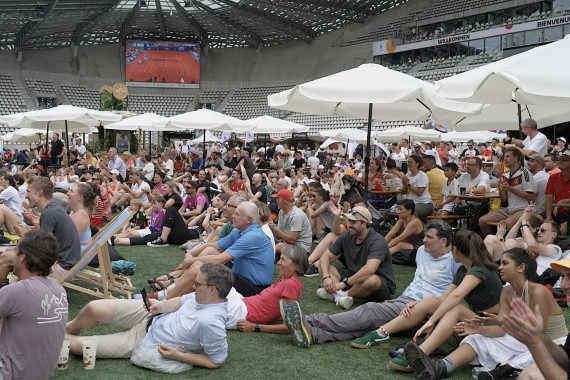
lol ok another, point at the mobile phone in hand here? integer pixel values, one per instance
(145, 299)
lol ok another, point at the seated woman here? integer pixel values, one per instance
(211, 219)
(11, 207)
(408, 232)
(320, 214)
(82, 199)
(256, 313)
(65, 178)
(476, 281)
(486, 342)
(158, 181)
(375, 174)
(416, 184)
(156, 213)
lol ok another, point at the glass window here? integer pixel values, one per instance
(553, 34)
(476, 47)
(533, 36)
(492, 44)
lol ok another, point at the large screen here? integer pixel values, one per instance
(162, 64)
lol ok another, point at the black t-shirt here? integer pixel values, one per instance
(206, 184)
(298, 163)
(56, 147)
(233, 163)
(177, 200)
(261, 188)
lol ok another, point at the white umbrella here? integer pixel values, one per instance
(352, 134)
(476, 136)
(209, 137)
(206, 119)
(407, 132)
(519, 76)
(144, 122)
(505, 117)
(270, 124)
(23, 135)
(374, 92)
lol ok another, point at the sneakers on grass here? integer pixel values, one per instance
(344, 302)
(157, 243)
(295, 322)
(422, 364)
(400, 363)
(312, 271)
(322, 294)
(371, 339)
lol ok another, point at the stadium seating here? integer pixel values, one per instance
(41, 87)
(10, 98)
(81, 96)
(248, 102)
(163, 104)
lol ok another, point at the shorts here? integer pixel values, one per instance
(504, 213)
(379, 295)
(131, 316)
(147, 231)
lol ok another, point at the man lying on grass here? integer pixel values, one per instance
(173, 336)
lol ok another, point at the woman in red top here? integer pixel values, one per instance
(374, 173)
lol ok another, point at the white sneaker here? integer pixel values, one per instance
(322, 294)
(345, 302)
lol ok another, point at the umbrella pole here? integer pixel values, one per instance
(520, 121)
(204, 151)
(46, 150)
(67, 141)
(367, 151)
(346, 150)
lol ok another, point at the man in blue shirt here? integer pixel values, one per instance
(172, 336)
(248, 246)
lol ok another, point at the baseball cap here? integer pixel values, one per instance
(537, 157)
(561, 264)
(561, 139)
(139, 173)
(566, 153)
(321, 167)
(359, 213)
(337, 165)
(115, 171)
(284, 194)
(306, 181)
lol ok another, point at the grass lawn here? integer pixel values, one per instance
(255, 355)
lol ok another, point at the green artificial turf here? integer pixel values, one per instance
(254, 355)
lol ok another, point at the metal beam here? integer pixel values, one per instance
(27, 31)
(128, 22)
(80, 30)
(341, 10)
(160, 17)
(195, 25)
(303, 32)
(253, 39)
(299, 8)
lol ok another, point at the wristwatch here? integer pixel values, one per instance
(257, 327)
(346, 284)
(525, 225)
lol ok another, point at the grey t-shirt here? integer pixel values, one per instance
(297, 220)
(355, 256)
(34, 315)
(55, 220)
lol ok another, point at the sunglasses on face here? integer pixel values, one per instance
(540, 229)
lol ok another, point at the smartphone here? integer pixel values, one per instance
(145, 299)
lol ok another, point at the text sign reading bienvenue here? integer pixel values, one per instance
(386, 47)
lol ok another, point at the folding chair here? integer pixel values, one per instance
(106, 283)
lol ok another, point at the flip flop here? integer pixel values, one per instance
(168, 278)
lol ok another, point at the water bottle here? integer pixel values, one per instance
(477, 370)
(395, 353)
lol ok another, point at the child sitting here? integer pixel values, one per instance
(446, 205)
(156, 214)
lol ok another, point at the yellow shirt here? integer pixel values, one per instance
(436, 181)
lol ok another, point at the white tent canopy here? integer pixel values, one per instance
(205, 119)
(269, 124)
(345, 135)
(144, 122)
(518, 76)
(80, 120)
(407, 132)
(476, 136)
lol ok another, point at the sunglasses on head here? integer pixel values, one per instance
(355, 212)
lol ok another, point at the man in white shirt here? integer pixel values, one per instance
(313, 162)
(166, 164)
(535, 142)
(184, 148)
(536, 164)
(79, 148)
(139, 190)
(397, 155)
(474, 180)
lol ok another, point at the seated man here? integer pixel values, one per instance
(39, 330)
(190, 329)
(194, 203)
(435, 271)
(516, 187)
(368, 269)
(474, 180)
(53, 219)
(247, 246)
(139, 190)
(294, 226)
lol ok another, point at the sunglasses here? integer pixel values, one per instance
(540, 229)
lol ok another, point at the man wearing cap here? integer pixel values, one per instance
(435, 175)
(368, 269)
(139, 190)
(485, 154)
(540, 177)
(527, 326)
(558, 192)
(535, 141)
(294, 225)
(560, 146)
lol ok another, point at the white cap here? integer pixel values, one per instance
(321, 167)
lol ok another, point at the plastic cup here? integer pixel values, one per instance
(89, 354)
(63, 360)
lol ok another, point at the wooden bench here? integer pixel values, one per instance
(493, 223)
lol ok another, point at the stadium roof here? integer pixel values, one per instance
(37, 24)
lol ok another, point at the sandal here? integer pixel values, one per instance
(168, 278)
